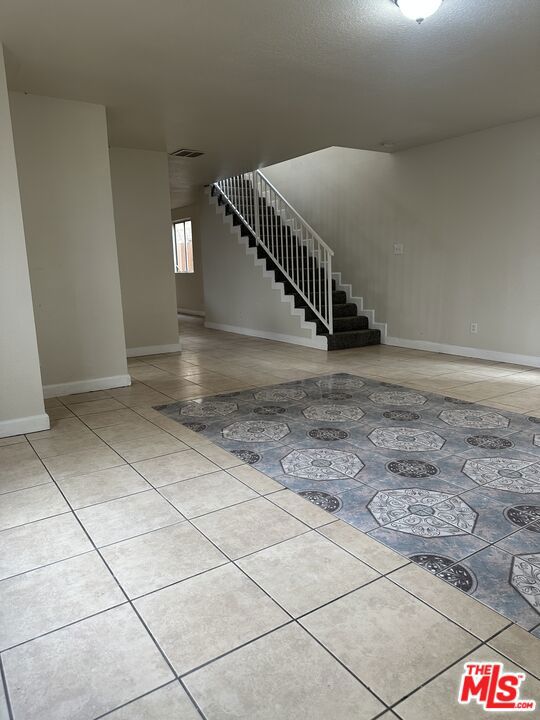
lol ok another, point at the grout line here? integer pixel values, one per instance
(182, 676)
(6, 690)
(441, 672)
(63, 627)
(139, 697)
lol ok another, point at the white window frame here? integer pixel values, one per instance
(177, 270)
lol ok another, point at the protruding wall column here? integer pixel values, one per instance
(21, 393)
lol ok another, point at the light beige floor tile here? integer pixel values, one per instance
(94, 406)
(285, 675)
(36, 503)
(123, 432)
(49, 678)
(255, 479)
(64, 427)
(126, 517)
(211, 614)
(12, 440)
(472, 615)
(39, 543)
(150, 446)
(131, 396)
(438, 699)
(521, 647)
(82, 462)
(207, 493)
(155, 559)
(58, 413)
(53, 596)
(172, 468)
(108, 418)
(373, 553)
(306, 572)
(102, 485)
(251, 526)
(20, 468)
(66, 444)
(52, 403)
(168, 703)
(301, 508)
(85, 397)
(217, 455)
(374, 631)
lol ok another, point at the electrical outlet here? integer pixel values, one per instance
(474, 328)
(398, 248)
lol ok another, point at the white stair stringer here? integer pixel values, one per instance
(359, 302)
(314, 341)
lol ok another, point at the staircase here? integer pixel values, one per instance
(299, 258)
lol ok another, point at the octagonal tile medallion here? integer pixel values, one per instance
(406, 438)
(474, 418)
(333, 412)
(397, 397)
(279, 394)
(426, 513)
(502, 473)
(346, 382)
(256, 431)
(322, 464)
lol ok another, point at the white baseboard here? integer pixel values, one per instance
(187, 311)
(494, 355)
(317, 342)
(153, 350)
(81, 386)
(20, 426)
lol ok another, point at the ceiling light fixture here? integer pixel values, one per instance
(418, 10)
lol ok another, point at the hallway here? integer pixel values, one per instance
(149, 573)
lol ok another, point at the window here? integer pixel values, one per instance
(183, 246)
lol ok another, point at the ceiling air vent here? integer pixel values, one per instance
(183, 152)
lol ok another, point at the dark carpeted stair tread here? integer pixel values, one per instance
(353, 338)
(344, 310)
(356, 322)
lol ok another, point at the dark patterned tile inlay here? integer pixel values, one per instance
(450, 484)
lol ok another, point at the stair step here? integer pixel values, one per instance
(344, 310)
(353, 322)
(353, 338)
(341, 325)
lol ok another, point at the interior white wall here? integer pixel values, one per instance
(63, 163)
(189, 286)
(467, 213)
(21, 397)
(238, 296)
(140, 183)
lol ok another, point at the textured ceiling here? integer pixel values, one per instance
(251, 82)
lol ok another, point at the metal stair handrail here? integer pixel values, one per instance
(294, 246)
